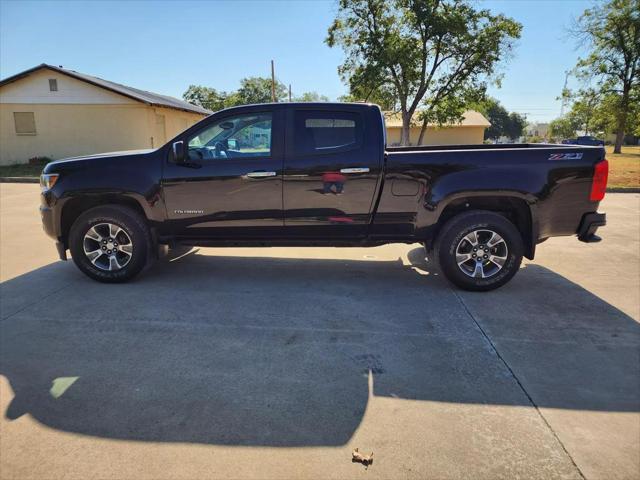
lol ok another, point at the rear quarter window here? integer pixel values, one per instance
(318, 132)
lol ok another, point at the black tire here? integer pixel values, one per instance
(133, 224)
(456, 229)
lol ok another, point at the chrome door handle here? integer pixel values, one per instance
(261, 174)
(355, 170)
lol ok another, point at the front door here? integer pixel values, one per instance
(231, 184)
(331, 173)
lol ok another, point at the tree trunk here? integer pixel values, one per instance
(422, 130)
(622, 118)
(405, 138)
(619, 140)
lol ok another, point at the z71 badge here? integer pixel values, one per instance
(565, 156)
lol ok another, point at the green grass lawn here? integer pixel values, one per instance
(20, 170)
(624, 168)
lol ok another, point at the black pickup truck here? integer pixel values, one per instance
(310, 174)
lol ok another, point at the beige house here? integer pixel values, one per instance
(537, 130)
(54, 112)
(468, 132)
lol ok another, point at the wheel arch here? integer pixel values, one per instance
(519, 210)
(75, 206)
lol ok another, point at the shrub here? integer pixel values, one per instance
(39, 160)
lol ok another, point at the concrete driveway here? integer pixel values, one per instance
(276, 363)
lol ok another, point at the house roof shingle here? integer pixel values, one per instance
(150, 98)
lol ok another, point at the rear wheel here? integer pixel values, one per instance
(110, 243)
(479, 250)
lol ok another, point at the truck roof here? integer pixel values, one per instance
(310, 105)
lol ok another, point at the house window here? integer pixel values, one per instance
(53, 85)
(25, 123)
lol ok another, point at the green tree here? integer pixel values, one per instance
(252, 90)
(611, 31)
(449, 108)
(205, 97)
(257, 90)
(503, 123)
(605, 116)
(592, 111)
(432, 54)
(383, 95)
(311, 97)
(563, 127)
(517, 124)
(587, 111)
(635, 117)
(498, 116)
(596, 113)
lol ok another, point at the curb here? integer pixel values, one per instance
(623, 190)
(19, 180)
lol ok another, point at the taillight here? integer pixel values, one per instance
(599, 184)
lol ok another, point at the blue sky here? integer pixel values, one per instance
(165, 46)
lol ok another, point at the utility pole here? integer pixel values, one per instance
(289, 93)
(564, 99)
(273, 83)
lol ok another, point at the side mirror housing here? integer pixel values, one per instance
(178, 152)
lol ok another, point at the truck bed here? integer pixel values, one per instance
(497, 146)
(552, 182)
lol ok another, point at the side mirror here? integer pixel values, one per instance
(178, 152)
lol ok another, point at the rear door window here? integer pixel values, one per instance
(326, 132)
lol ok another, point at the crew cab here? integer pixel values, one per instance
(310, 174)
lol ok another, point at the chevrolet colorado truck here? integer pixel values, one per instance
(310, 174)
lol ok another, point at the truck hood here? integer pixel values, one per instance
(122, 153)
(96, 159)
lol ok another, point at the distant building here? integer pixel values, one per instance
(537, 130)
(55, 112)
(469, 131)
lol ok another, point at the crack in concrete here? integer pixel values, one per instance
(513, 374)
(34, 303)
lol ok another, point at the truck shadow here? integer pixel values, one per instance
(278, 351)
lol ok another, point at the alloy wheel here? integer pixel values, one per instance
(108, 247)
(481, 253)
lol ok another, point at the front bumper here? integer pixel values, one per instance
(48, 221)
(588, 226)
(62, 251)
(49, 226)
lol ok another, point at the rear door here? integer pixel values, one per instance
(332, 169)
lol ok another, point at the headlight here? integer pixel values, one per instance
(48, 180)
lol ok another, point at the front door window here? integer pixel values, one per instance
(244, 136)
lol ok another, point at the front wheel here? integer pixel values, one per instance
(479, 250)
(110, 244)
